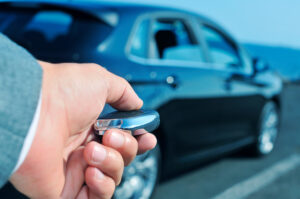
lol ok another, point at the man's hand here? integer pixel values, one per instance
(62, 163)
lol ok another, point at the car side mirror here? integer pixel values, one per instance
(259, 65)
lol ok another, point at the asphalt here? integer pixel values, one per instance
(231, 173)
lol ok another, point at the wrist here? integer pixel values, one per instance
(45, 153)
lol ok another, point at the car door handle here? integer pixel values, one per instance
(172, 81)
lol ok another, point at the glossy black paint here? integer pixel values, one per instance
(205, 110)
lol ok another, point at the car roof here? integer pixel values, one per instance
(91, 6)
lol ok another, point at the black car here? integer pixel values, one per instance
(213, 98)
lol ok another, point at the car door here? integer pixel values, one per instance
(187, 92)
(240, 108)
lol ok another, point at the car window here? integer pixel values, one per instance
(221, 50)
(53, 33)
(174, 41)
(50, 24)
(140, 38)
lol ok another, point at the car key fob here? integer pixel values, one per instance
(128, 120)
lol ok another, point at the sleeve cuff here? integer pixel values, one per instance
(30, 135)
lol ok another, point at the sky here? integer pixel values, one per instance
(271, 22)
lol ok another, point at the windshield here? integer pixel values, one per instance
(53, 33)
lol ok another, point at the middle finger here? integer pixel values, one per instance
(106, 159)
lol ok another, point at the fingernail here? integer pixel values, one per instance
(99, 154)
(116, 139)
(98, 174)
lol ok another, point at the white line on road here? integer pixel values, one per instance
(256, 182)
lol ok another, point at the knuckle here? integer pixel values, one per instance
(97, 68)
(93, 65)
(116, 169)
(125, 82)
(118, 164)
(131, 152)
(103, 188)
(106, 188)
(110, 188)
(131, 144)
(131, 140)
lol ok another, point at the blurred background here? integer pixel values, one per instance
(224, 76)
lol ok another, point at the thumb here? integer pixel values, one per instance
(121, 95)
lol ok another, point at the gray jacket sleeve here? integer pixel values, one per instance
(20, 86)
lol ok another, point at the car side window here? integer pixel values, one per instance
(139, 40)
(221, 50)
(174, 41)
